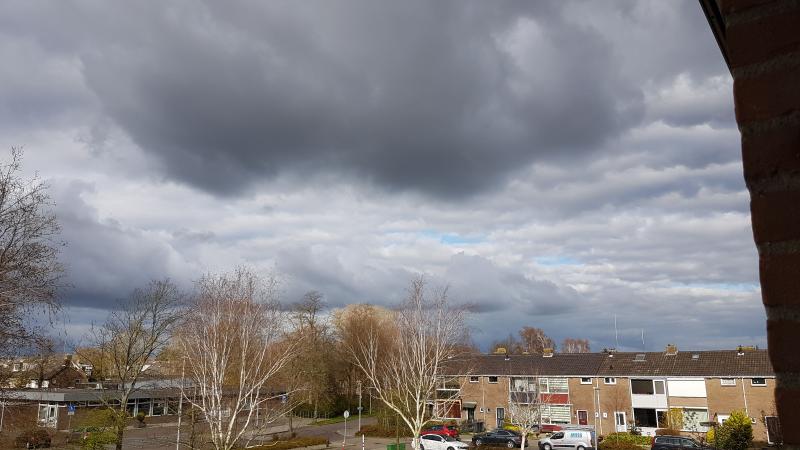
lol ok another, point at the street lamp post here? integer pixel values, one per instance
(358, 390)
(180, 405)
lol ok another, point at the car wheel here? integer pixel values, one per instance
(450, 448)
(510, 444)
(580, 447)
(547, 447)
(421, 447)
(478, 442)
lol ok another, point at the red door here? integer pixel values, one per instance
(583, 418)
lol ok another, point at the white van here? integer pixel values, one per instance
(568, 439)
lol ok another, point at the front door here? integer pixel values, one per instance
(501, 416)
(620, 421)
(583, 417)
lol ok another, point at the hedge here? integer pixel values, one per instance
(628, 438)
(379, 431)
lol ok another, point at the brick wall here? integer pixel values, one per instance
(488, 396)
(760, 401)
(582, 398)
(614, 397)
(763, 47)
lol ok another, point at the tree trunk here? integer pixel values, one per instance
(522, 445)
(120, 432)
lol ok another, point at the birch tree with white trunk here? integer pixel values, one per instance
(232, 342)
(525, 411)
(404, 363)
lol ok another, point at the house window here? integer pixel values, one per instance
(727, 381)
(642, 387)
(693, 418)
(474, 379)
(758, 381)
(645, 417)
(586, 381)
(610, 380)
(492, 379)
(659, 387)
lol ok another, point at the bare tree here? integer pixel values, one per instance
(313, 365)
(42, 359)
(427, 335)
(535, 340)
(126, 343)
(525, 411)
(234, 354)
(29, 269)
(571, 345)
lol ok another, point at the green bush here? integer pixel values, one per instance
(98, 439)
(628, 438)
(735, 434)
(608, 444)
(295, 443)
(33, 438)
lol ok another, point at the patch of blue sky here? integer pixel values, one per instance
(557, 261)
(453, 238)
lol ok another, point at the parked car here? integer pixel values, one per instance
(439, 442)
(568, 439)
(509, 438)
(667, 442)
(442, 430)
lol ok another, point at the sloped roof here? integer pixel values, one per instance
(707, 363)
(565, 364)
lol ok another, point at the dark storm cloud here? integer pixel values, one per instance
(438, 97)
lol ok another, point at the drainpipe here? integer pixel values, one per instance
(744, 396)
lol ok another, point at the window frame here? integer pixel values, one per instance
(588, 380)
(474, 379)
(496, 379)
(727, 382)
(753, 381)
(613, 380)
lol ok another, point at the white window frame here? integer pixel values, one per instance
(753, 383)
(476, 379)
(496, 379)
(610, 380)
(588, 380)
(727, 381)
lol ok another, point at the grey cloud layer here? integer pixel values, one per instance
(410, 95)
(554, 163)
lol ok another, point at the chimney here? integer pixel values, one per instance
(671, 350)
(547, 352)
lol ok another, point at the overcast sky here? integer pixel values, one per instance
(555, 162)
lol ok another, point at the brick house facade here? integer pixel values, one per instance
(613, 390)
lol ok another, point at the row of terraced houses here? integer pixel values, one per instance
(614, 390)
